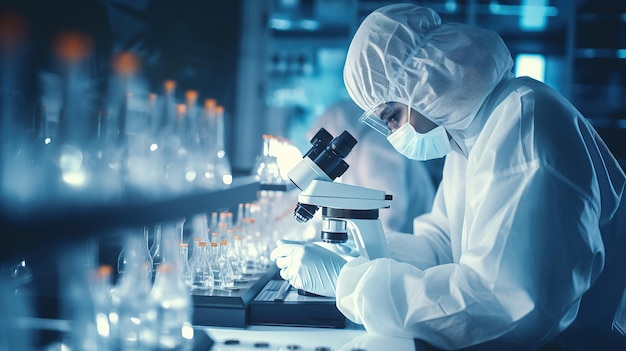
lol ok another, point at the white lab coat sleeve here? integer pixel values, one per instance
(430, 243)
(530, 250)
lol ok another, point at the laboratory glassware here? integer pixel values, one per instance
(214, 165)
(185, 267)
(224, 170)
(201, 269)
(155, 249)
(191, 101)
(124, 255)
(266, 168)
(132, 312)
(235, 257)
(250, 247)
(180, 230)
(101, 286)
(173, 307)
(214, 220)
(214, 261)
(227, 276)
(180, 173)
(76, 122)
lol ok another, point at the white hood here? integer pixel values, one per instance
(403, 53)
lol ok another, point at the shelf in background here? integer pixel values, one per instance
(60, 223)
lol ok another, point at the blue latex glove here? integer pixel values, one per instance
(308, 266)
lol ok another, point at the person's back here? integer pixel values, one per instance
(559, 143)
(374, 164)
(524, 241)
(601, 175)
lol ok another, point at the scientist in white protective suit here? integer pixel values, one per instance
(374, 164)
(525, 245)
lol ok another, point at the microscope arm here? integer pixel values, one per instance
(358, 207)
(343, 196)
(369, 237)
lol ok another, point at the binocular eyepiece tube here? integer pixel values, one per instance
(324, 161)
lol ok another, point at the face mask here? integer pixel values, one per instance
(420, 147)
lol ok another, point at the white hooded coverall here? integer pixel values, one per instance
(524, 239)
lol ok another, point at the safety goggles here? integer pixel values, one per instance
(379, 116)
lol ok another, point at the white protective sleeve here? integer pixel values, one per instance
(430, 245)
(522, 269)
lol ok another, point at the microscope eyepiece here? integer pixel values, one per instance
(330, 160)
(320, 141)
(323, 161)
(343, 144)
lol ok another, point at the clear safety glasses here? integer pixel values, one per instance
(384, 117)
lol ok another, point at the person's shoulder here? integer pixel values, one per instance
(540, 91)
(536, 101)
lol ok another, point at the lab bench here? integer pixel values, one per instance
(259, 337)
(352, 338)
(263, 312)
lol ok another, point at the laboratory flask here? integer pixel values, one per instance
(173, 309)
(185, 267)
(201, 268)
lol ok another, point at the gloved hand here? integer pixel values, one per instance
(308, 266)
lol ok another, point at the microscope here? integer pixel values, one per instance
(345, 208)
(347, 211)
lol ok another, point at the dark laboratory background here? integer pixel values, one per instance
(276, 64)
(273, 66)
